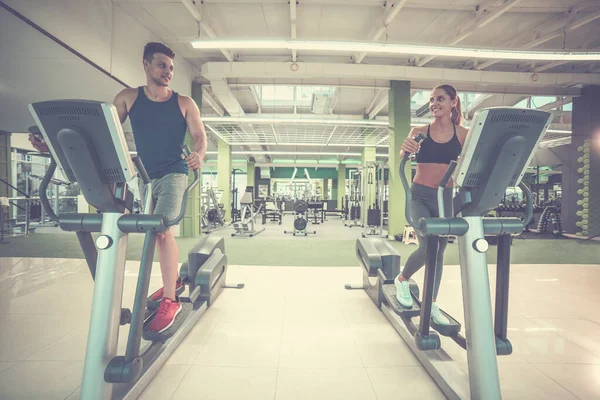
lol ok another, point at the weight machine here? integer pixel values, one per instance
(246, 225)
(353, 202)
(213, 212)
(373, 226)
(235, 212)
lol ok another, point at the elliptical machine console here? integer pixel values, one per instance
(498, 149)
(87, 143)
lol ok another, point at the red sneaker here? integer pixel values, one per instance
(165, 315)
(158, 295)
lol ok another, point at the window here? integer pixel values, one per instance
(289, 95)
(277, 93)
(539, 101)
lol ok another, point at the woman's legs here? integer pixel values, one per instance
(439, 266)
(424, 204)
(419, 209)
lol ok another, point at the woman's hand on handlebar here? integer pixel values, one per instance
(38, 144)
(410, 145)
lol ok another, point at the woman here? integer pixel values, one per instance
(444, 140)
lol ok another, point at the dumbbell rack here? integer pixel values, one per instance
(300, 219)
(583, 202)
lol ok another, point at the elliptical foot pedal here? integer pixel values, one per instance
(389, 292)
(446, 330)
(186, 309)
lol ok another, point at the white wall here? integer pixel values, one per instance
(35, 68)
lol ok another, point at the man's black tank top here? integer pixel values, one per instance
(159, 130)
(439, 153)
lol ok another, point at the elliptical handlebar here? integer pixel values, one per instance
(529, 197)
(44, 186)
(419, 138)
(448, 174)
(143, 174)
(141, 169)
(186, 152)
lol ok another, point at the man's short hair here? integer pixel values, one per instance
(153, 47)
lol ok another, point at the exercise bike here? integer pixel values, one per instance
(86, 141)
(495, 156)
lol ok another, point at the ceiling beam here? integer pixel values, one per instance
(496, 100)
(551, 8)
(373, 100)
(378, 107)
(195, 13)
(206, 95)
(555, 84)
(484, 15)
(223, 93)
(568, 25)
(293, 4)
(551, 65)
(255, 96)
(390, 14)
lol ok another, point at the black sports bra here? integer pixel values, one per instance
(439, 153)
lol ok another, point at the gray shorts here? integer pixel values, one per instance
(167, 194)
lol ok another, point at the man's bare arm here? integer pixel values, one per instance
(120, 103)
(196, 127)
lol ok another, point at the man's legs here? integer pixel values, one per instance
(168, 192)
(168, 255)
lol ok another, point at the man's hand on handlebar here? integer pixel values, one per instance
(193, 161)
(38, 143)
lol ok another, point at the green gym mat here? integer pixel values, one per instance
(308, 251)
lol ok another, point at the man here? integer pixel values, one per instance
(159, 118)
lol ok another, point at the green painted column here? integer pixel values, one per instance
(5, 170)
(191, 225)
(251, 172)
(341, 185)
(224, 176)
(334, 191)
(368, 192)
(325, 189)
(399, 119)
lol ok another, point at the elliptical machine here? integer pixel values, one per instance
(86, 141)
(496, 154)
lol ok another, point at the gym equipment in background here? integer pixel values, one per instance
(213, 212)
(354, 200)
(246, 226)
(300, 219)
(373, 226)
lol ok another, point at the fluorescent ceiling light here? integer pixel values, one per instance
(252, 120)
(300, 153)
(401, 49)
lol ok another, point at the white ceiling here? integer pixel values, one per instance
(361, 81)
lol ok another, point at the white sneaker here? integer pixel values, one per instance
(403, 293)
(437, 316)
